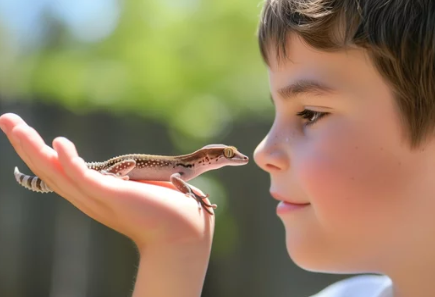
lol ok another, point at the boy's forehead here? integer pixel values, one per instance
(305, 62)
(299, 53)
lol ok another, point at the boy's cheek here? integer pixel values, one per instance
(362, 202)
(351, 187)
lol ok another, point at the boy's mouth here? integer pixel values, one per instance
(287, 206)
(286, 200)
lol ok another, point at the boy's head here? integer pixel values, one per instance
(398, 37)
(353, 84)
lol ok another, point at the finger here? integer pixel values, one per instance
(68, 160)
(46, 165)
(22, 134)
(90, 182)
(17, 130)
(95, 192)
(8, 122)
(41, 159)
(18, 133)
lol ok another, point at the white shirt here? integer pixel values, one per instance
(359, 286)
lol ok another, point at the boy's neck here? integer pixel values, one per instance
(414, 279)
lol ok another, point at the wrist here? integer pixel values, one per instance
(172, 270)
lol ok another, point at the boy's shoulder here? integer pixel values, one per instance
(359, 286)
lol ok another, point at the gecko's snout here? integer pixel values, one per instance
(243, 160)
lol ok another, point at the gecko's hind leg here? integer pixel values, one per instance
(185, 188)
(120, 169)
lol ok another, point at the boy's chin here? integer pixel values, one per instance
(319, 260)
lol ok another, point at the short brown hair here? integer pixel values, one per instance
(399, 36)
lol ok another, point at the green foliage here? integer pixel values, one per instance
(192, 64)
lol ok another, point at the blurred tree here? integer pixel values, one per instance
(191, 64)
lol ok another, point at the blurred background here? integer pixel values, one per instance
(135, 76)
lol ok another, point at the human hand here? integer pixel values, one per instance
(150, 214)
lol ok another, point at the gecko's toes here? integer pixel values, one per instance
(201, 203)
(205, 204)
(206, 209)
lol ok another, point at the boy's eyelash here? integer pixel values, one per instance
(311, 116)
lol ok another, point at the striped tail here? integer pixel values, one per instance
(32, 183)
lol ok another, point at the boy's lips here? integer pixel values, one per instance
(287, 206)
(287, 200)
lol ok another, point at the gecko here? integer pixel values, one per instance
(176, 169)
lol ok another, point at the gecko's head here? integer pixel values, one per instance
(219, 155)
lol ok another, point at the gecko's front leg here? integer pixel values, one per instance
(185, 188)
(120, 169)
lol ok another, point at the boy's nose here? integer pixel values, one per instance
(270, 156)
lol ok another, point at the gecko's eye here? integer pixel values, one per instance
(229, 152)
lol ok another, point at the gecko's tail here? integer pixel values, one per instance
(32, 183)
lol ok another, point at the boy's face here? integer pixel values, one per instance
(370, 198)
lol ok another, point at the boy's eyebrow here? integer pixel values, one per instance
(304, 86)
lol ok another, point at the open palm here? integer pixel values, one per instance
(147, 213)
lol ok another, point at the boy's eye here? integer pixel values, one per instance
(311, 116)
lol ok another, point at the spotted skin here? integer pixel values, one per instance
(176, 169)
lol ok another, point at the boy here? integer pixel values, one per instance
(350, 155)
